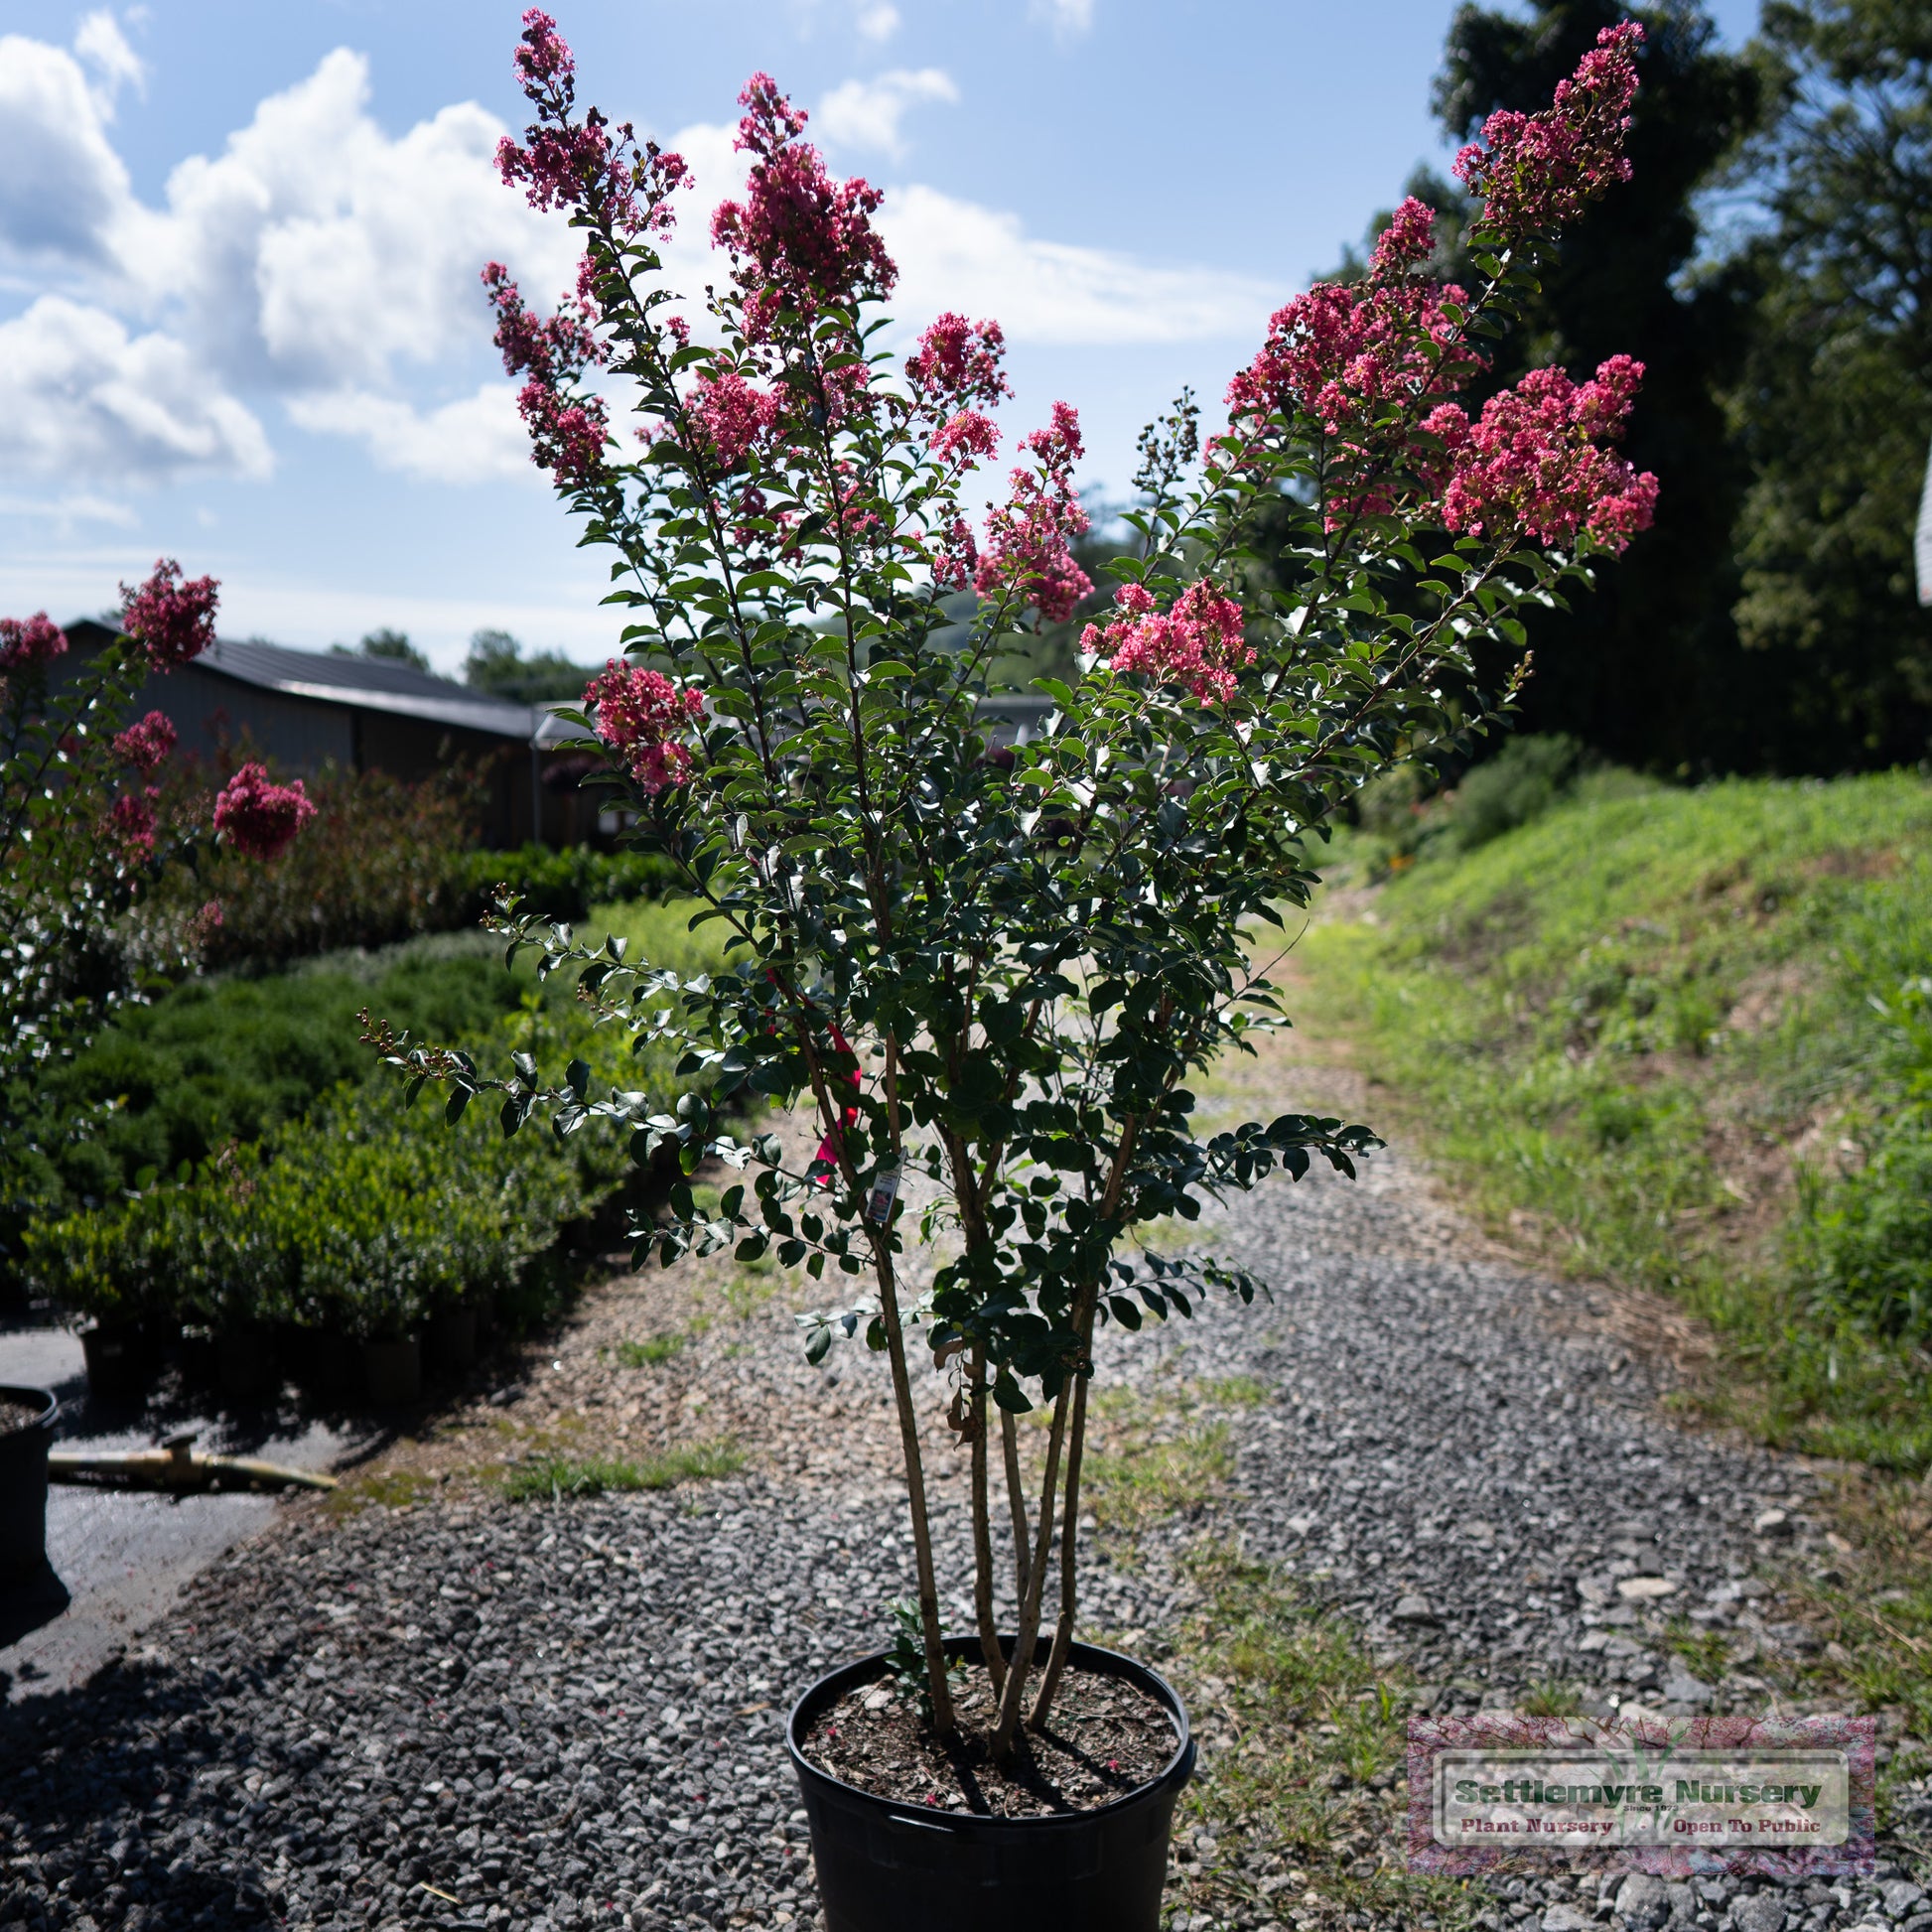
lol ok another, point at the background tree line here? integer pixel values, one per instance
(1770, 261)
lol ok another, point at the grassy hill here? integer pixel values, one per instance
(1681, 1038)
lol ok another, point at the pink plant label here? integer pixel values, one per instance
(1642, 1793)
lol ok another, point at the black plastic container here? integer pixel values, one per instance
(23, 1485)
(121, 1362)
(885, 1866)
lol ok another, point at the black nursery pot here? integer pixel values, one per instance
(23, 1485)
(885, 1866)
(121, 1362)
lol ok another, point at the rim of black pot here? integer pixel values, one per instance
(28, 1397)
(1091, 1656)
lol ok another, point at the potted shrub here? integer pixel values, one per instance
(27, 1419)
(990, 974)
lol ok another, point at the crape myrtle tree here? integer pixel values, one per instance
(997, 970)
(86, 834)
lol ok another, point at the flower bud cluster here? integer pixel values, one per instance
(1028, 537)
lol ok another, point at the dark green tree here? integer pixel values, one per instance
(496, 664)
(1650, 671)
(1834, 408)
(386, 647)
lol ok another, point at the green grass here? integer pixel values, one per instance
(551, 1479)
(653, 1351)
(1641, 1033)
(1301, 1794)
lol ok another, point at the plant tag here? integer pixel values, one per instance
(884, 1191)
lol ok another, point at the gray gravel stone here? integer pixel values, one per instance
(552, 1715)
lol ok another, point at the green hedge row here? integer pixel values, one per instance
(362, 1218)
(326, 1203)
(565, 885)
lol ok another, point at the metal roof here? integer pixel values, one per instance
(369, 683)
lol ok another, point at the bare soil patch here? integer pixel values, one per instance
(1104, 1738)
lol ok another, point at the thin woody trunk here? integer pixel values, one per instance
(908, 1438)
(995, 1667)
(1007, 1725)
(1050, 1682)
(1017, 1497)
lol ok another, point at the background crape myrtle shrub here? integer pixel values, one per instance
(1002, 973)
(83, 847)
(385, 860)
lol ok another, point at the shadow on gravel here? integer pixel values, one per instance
(89, 1781)
(26, 1606)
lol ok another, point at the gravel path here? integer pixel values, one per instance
(449, 1709)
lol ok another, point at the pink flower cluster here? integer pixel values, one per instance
(27, 641)
(733, 414)
(957, 362)
(641, 715)
(965, 439)
(799, 240)
(1342, 353)
(1538, 170)
(146, 744)
(568, 429)
(170, 620)
(1027, 536)
(573, 164)
(1200, 644)
(258, 818)
(130, 823)
(1533, 462)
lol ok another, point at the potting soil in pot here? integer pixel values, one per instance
(16, 1414)
(1103, 1739)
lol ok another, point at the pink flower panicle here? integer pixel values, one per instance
(641, 715)
(625, 189)
(258, 818)
(799, 240)
(568, 426)
(27, 641)
(1342, 354)
(170, 620)
(957, 364)
(1539, 171)
(1534, 462)
(965, 439)
(732, 414)
(1200, 644)
(1408, 241)
(1027, 538)
(130, 824)
(146, 744)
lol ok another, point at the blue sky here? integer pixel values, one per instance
(239, 315)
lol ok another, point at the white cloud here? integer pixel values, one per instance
(82, 401)
(1066, 17)
(955, 254)
(101, 44)
(878, 22)
(316, 252)
(475, 439)
(867, 114)
(65, 512)
(64, 193)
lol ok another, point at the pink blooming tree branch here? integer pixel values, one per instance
(83, 841)
(999, 966)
